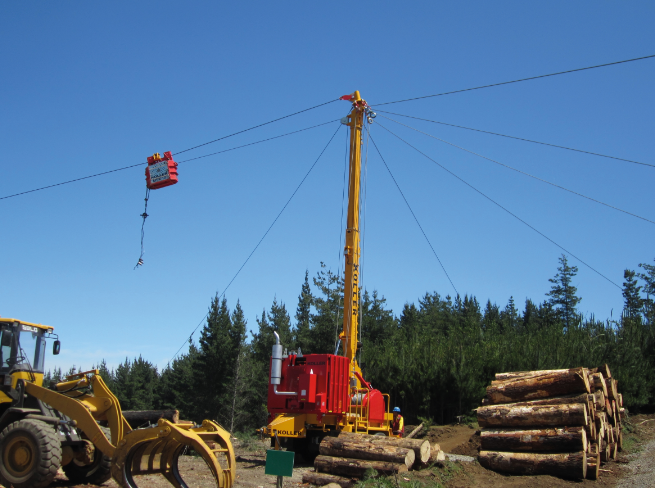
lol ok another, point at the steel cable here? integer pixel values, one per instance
(499, 205)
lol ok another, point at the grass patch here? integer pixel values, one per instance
(631, 444)
(249, 441)
(436, 478)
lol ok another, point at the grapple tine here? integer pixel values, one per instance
(162, 447)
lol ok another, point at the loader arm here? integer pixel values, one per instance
(82, 411)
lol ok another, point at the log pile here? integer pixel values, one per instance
(348, 456)
(564, 422)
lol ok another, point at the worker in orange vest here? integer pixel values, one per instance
(398, 424)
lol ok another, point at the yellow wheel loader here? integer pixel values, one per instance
(78, 425)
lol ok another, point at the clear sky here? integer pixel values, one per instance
(93, 86)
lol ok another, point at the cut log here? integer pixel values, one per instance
(534, 388)
(622, 413)
(357, 447)
(355, 467)
(526, 374)
(414, 432)
(605, 369)
(613, 449)
(572, 465)
(620, 400)
(619, 443)
(593, 465)
(322, 479)
(528, 416)
(436, 454)
(605, 453)
(599, 382)
(536, 440)
(558, 400)
(421, 447)
(140, 418)
(599, 400)
(612, 390)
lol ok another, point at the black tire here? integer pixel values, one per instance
(30, 454)
(95, 473)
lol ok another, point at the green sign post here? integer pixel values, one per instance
(279, 463)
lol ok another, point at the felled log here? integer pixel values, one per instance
(421, 447)
(605, 369)
(525, 374)
(599, 400)
(139, 418)
(537, 415)
(322, 479)
(620, 400)
(544, 386)
(613, 450)
(612, 389)
(355, 467)
(558, 400)
(414, 432)
(573, 465)
(599, 382)
(357, 447)
(593, 466)
(605, 453)
(436, 454)
(559, 439)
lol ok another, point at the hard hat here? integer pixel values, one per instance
(396, 410)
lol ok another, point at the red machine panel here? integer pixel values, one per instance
(307, 383)
(324, 379)
(161, 171)
(375, 403)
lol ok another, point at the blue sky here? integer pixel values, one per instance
(89, 87)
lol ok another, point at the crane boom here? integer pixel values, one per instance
(349, 336)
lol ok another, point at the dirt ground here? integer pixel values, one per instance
(633, 468)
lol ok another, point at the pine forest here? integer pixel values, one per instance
(435, 357)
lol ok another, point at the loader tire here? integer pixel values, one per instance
(95, 473)
(30, 454)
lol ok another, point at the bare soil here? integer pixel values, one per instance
(632, 469)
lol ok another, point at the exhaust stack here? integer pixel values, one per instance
(276, 367)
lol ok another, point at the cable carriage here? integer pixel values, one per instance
(161, 171)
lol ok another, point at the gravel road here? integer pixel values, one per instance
(641, 469)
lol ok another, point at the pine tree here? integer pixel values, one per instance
(563, 294)
(633, 302)
(177, 385)
(303, 315)
(214, 366)
(328, 319)
(236, 392)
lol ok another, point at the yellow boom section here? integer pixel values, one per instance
(349, 336)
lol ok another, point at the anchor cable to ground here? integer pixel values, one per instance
(522, 172)
(500, 206)
(519, 139)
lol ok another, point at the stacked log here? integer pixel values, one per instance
(565, 422)
(350, 455)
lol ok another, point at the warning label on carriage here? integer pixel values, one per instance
(159, 172)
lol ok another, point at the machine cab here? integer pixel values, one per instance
(22, 346)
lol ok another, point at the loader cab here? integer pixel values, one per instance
(22, 346)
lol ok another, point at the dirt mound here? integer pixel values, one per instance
(453, 439)
(469, 448)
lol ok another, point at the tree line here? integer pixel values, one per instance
(435, 358)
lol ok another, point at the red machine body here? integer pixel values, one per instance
(320, 382)
(321, 387)
(161, 171)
